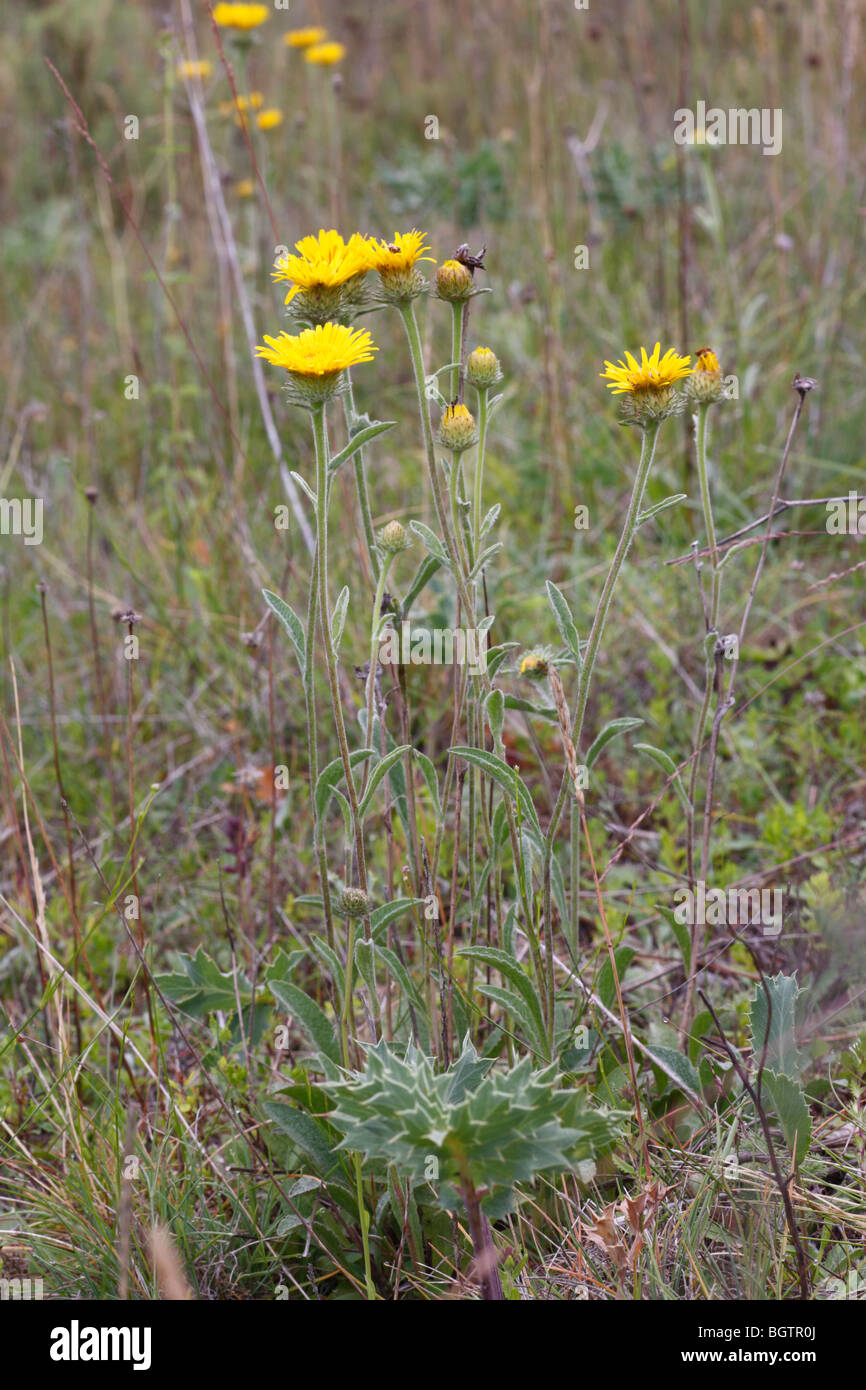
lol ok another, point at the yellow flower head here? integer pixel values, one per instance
(536, 663)
(653, 374)
(326, 54)
(706, 361)
(396, 261)
(245, 188)
(253, 102)
(269, 119)
(322, 351)
(705, 385)
(202, 68)
(304, 38)
(457, 428)
(327, 273)
(240, 16)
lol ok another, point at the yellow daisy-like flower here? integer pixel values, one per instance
(326, 54)
(245, 188)
(201, 68)
(327, 272)
(648, 387)
(322, 351)
(707, 361)
(396, 263)
(269, 119)
(652, 374)
(253, 102)
(705, 386)
(242, 17)
(304, 38)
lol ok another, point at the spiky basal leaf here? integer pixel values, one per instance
(498, 1127)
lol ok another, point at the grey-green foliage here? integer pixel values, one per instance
(774, 1018)
(495, 1127)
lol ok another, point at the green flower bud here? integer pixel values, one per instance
(482, 368)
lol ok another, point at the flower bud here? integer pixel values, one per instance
(453, 281)
(393, 538)
(705, 385)
(457, 429)
(352, 902)
(482, 368)
(535, 663)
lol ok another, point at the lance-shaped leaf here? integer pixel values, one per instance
(775, 1026)
(292, 623)
(361, 436)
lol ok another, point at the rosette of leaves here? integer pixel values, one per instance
(474, 1131)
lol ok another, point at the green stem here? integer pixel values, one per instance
(360, 468)
(478, 488)
(456, 348)
(647, 454)
(374, 646)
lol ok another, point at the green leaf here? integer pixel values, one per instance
(428, 772)
(660, 507)
(332, 774)
(606, 985)
(508, 967)
(610, 731)
(292, 623)
(668, 766)
(306, 1135)
(564, 620)
(358, 439)
(432, 542)
(311, 1018)
(495, 710)
(425, 572)
(302, 483)
(790, 1105)
(681, 1067)
(504, 776)
(378, 773)
(681, 932)
(338, 620)
(200, 988)
(777, 1027)
(381, 917)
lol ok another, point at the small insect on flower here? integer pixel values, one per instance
(316, 358)
(269, 119)
(705, 386)
(304, 38)
(201, 68)
(396, 261)
(648, 386)
(241, 17)
(457, 430)
(325, 54)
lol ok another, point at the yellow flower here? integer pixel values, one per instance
(324, 266)
(304, 38)
(396, 261)
(454, 281)
(240, 16)
(202, 68)
(321, 351)
(245, 189)
(400, 254)
(707, 361)
(270, 119)
(251, 103)
(653, 374)
(457, 429)
(325, 53)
